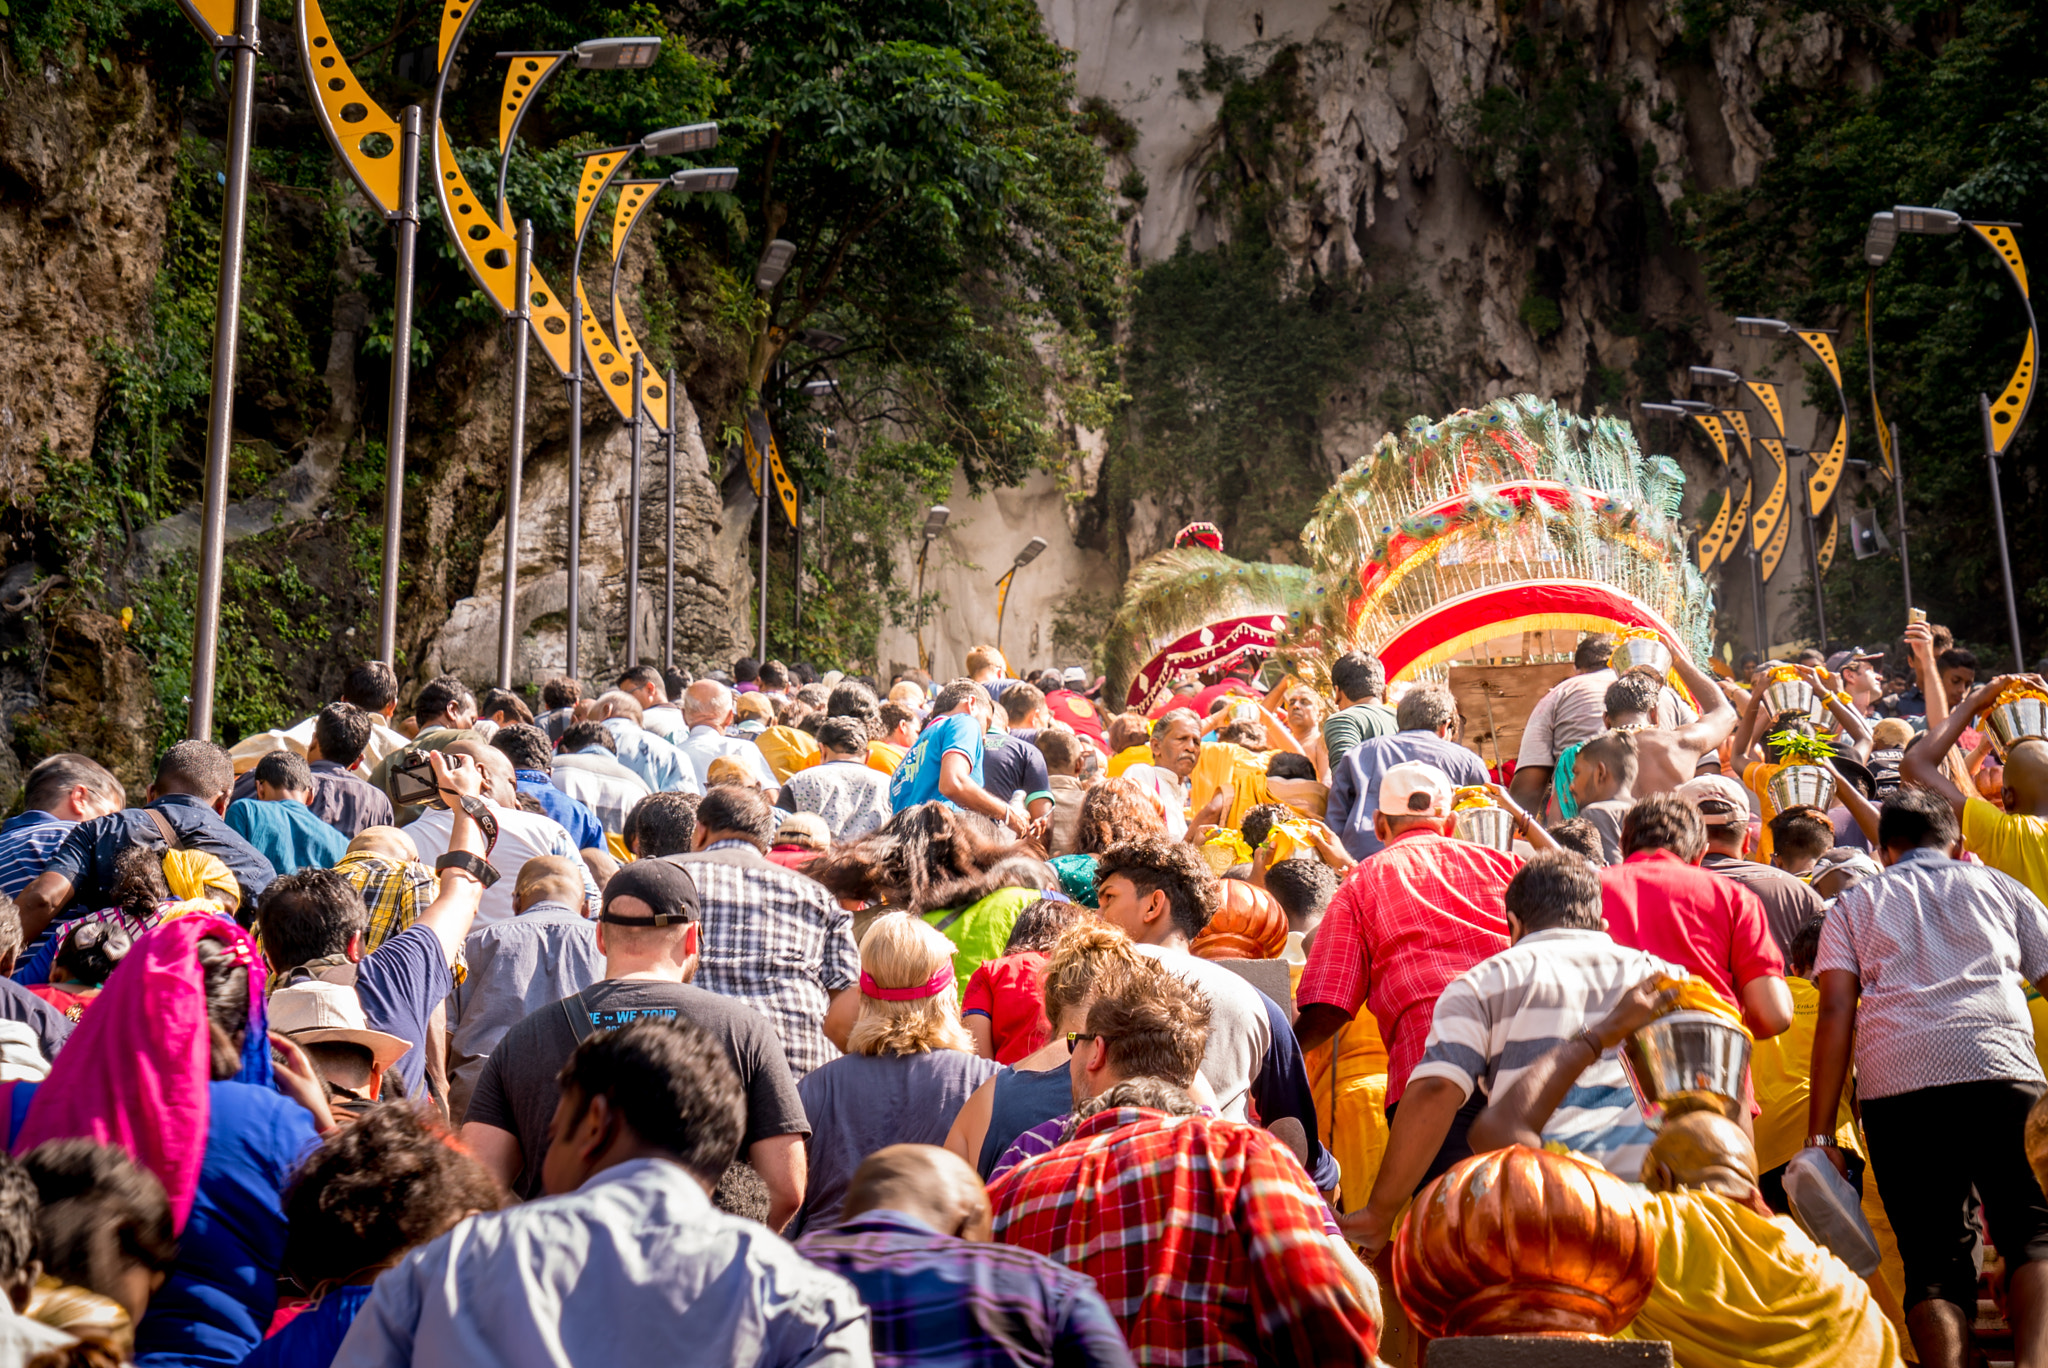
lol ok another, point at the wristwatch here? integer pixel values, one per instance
(1821, 1142)
(475, 866)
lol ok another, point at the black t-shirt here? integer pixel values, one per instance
(517, 1090)
(1009, 766)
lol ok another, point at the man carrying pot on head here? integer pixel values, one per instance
(2012, 836)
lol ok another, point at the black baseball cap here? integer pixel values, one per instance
(665, 887)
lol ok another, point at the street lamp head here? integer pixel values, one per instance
(1714, 375)
(1694, 406)
(1030, 553)
(1914, 219)
(824, 384)
(818, 340)
(704, 180)
(935, 520)
(1882, 237)
(1762, 327)
(1663, 410)
(675, 142)
(617, 54)
(774, 264)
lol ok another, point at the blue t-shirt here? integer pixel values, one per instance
(399, 984)
(286, 833)
(222, 1292)
(917, 779)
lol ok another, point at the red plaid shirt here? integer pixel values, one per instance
(1205, 1237)
(1406, 922)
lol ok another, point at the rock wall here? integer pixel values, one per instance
(1384, 185)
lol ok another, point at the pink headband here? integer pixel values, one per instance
(931, 987)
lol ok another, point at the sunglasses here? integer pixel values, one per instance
(1076, 1037)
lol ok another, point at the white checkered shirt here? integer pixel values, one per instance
(774, 940)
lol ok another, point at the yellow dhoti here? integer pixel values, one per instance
(1351, 1104)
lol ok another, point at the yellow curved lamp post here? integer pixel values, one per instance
(2003, 417)
(229, 26)
(383, 157)
(491, 250)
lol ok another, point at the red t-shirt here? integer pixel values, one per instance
(1080, 713)
(1205, 702)
(1713, 926)
(1010, 992)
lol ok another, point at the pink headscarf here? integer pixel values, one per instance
(137, 1071)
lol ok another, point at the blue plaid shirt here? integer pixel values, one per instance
(941, 1302)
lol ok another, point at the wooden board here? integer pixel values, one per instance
(1496, 700)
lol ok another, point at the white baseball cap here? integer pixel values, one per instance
(314, 1012)
(1415, 789)
(1721, 801)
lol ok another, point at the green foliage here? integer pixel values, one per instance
(1959, 119)
(1540, 314)
(1230, 366)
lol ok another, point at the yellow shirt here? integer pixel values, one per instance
(1124, 759)
(2009, 842)
(1780, 1070)
(885, 757)
(787, 750)
(1738, 1290)
(1242, 771)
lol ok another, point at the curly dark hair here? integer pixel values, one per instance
(1154, 864)
(18, 1203)
(388, 1182)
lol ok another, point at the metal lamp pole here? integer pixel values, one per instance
(508, 622)
(934, 524)
(2003, 417)
(1030, 553)
(668, 631)
(242, 45)
(1878, 242)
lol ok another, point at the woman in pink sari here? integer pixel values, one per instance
(173, 1064)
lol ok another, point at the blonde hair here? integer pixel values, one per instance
(986, 658)
(901, 951)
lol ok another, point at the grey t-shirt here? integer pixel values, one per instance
(1606, 817)
(517, 1090)
(863, 1103)
(1240, 1033)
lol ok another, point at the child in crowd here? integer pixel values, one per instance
(1004, 1005)
(1798, 839)
(1603, 785)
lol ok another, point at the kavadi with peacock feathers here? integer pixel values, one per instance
(1510, 519)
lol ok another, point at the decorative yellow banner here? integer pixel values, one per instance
(1823, 346)
(366, 137)
(1774, 549)
(1712, 427)
(1711, 539)
(1740, 522)
(1739, 421)
(1827, 469)
(1827, 546)
(1767, 394)
(1772, 508)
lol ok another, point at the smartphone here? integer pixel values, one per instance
(1915, 616)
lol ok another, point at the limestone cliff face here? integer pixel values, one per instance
(1396, 173)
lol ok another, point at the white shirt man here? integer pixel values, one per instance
(708, 708)
(522, 835)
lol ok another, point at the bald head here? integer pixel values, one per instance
(1702, 1150)
(548, 879)
(385, 841)
(2026, 779)
(501, 786)
(925, 1182)
(707, 703)
(616, 703)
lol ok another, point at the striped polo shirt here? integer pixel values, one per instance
(1504, 1013)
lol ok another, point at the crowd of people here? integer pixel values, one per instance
(803, 1020)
